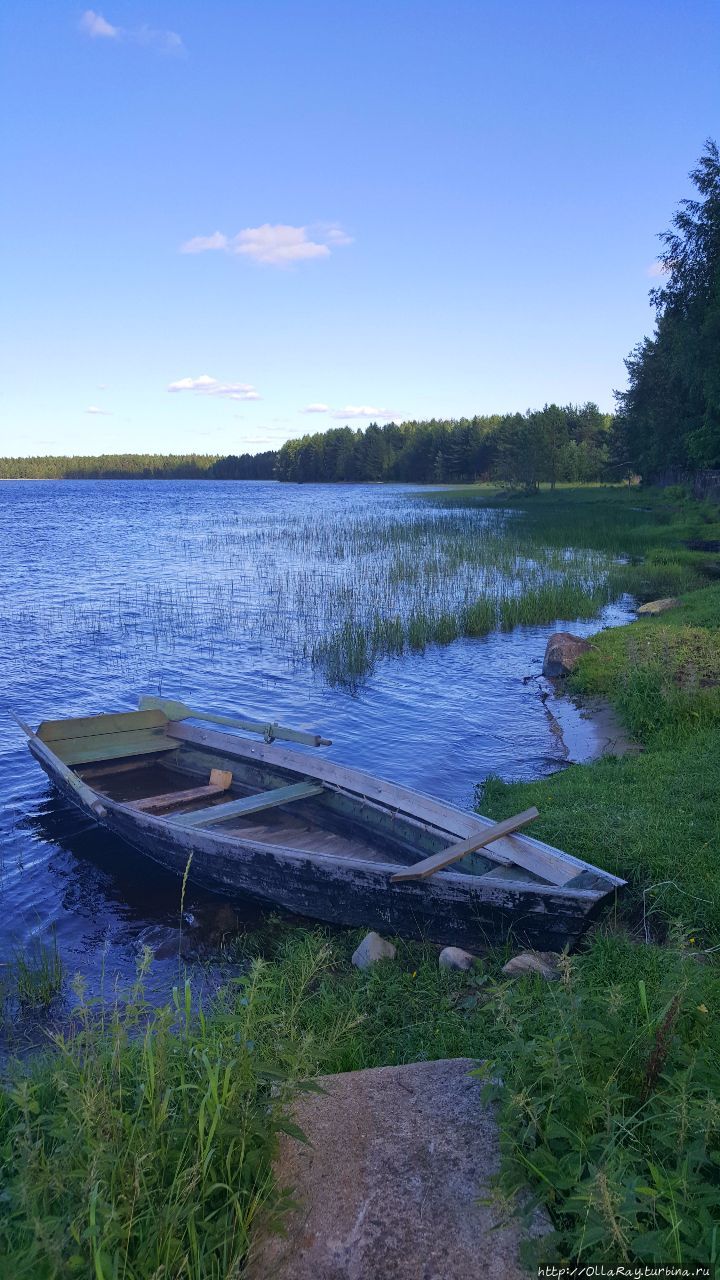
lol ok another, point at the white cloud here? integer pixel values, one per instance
(278, 245)
(96, 27)
(332, 233)
(164, 41)
(657, 269)
(274, 244)
(364, 411)
(207, 386)
(93, 408)
(201, 244)
(316, 408)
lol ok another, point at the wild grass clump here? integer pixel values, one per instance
(609, 1107)
(140, 1144)
(36, 974)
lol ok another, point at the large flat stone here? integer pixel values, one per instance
(389, 1188)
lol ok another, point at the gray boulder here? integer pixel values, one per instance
(371, 949)
(542, 962)
(658, 606)
(395, 1182)
(455, 958)
(562, 652)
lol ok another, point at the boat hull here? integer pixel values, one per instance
(448, 909)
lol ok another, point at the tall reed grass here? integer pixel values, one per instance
(140, 1144)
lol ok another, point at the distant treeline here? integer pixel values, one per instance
(555, 443)
(142, 466)
(569, 443)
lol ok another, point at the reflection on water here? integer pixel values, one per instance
(94, 576)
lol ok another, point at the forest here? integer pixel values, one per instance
(667, 420)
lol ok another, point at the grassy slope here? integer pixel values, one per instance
(653, 818)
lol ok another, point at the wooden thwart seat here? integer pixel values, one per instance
(248, 804)
(85, 739)
(220, 781)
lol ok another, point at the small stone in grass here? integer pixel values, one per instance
(371, 949)
(658, 606)
(455, 958)
(543, 962)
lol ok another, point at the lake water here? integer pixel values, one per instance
(218, 593)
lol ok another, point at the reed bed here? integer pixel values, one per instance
(342, 589)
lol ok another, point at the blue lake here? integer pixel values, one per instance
(209, 592)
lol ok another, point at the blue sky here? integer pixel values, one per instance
(413, 209)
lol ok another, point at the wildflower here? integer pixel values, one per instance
(702, 1008)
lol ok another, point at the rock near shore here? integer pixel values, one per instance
(658, 606)
(372, 949)
(562, 653)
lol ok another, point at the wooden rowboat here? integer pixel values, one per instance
(248, 817)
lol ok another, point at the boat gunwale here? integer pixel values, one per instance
(279, 755)
(485, 881)
(234, 745)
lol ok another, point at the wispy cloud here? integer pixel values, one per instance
(207, 386)
(97, 27)
(94, 408)
(276, 245)
(316, 408)
(657, 269)
(201, 244)
(364, 411)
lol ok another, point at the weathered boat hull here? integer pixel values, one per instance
(451, 908)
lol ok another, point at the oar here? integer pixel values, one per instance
(454, 852)
(83, 792)
(178, 711)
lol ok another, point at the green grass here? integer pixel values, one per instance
(140, 1145)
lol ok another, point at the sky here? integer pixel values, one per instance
(226, 224)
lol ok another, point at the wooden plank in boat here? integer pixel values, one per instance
(112, 746)
(213, 788)
(523, 851)
(104, 770)
(454, 852)
(90, 726)
(248, 804)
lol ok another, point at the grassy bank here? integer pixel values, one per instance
(143, 1139)
(139, 1143)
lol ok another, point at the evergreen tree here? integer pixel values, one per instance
(670, 414)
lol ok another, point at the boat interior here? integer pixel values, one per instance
(133, 760)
